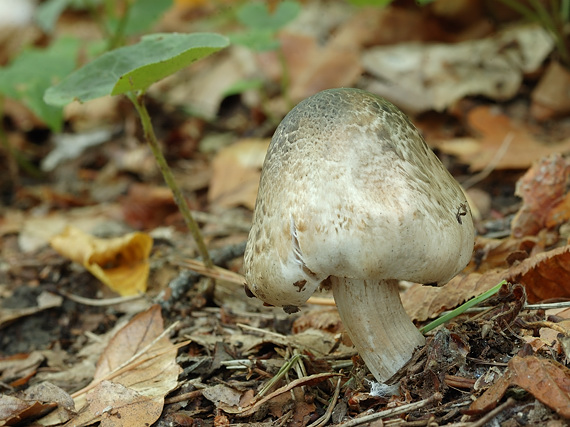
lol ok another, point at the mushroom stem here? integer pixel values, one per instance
(379, 327)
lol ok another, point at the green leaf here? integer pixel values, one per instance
(257, 16)
(28, 76)
(257, 40)
(134, 67)
(48, 13)
(144, 13)
(379, 3)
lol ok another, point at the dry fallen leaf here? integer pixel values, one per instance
(134, 373)
(545, 275)
(545, 379)
(114, 405)
(120, 263)
(420, 77)
(544, 189)
(496, 131)
(235, 173)
(550, 97)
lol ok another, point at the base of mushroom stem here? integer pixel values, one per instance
(379, 327)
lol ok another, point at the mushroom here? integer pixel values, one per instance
(350, 192)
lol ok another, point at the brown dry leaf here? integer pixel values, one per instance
(315, 67)
(114, 405)
(134, 373)
(148, 207)
(326, 320)
(491, 397)
(498, 129)
(236, 170)
(543, 189)
(423, 302)
(490, 254)
(545, 379)
(14, 410)
(121, 263)
(545, 275)
(35, 401)
(16, 370)
(550, 97)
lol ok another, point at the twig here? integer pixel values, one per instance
(488, 417)
(327, 415)
(547, 306)
(99, 302)
(394, 411)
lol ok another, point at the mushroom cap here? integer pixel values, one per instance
(349, 188)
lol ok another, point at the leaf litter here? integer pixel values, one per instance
(227, 360)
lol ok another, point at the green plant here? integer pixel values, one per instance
(462, 308)
(130, 71)
(553, 18)
(117, 20)
(262, 26)
(382, 3)
(28, 76)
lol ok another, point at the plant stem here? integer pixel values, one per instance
(150, 136)
(462, 308)
(117, 39)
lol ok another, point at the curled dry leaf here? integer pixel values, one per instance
(14, 410)
(544, 190)
(545, 379)
(121, 263)
(420, 76)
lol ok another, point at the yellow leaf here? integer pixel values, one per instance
(121, 263)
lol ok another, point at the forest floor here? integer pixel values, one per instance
(107, 314)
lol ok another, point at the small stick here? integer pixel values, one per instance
(488, 417)
(394, 411)
(327, 415)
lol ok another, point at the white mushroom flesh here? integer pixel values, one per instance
(350, 190)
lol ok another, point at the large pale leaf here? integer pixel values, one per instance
(134, 67)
